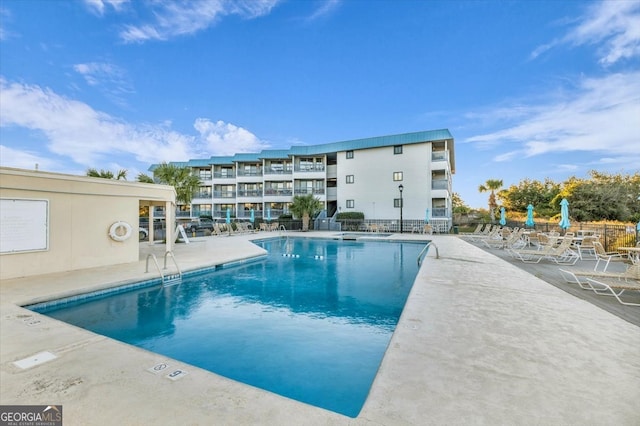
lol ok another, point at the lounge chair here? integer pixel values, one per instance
(562, 254)
(581, 277)
(476, 231)
(586, 247)
(608, 287)
(605, 256)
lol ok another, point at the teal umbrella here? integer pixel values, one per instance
(529, 221)
(564, 214)
(252, 218)
(426, 216)
(228, 215)
(268, 215)
(503, 216)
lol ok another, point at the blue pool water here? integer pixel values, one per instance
(311, 321)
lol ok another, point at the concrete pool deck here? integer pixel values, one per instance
(480, 341)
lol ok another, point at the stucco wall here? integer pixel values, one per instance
(81, 211)
(374, 188)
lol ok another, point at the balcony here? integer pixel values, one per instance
(250, 193)
(440, 212)
(440, 184)
(278, 191)
(224, 194)
(305, 191)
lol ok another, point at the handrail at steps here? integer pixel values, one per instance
(424, 251)
(171, 278)
(155, 260)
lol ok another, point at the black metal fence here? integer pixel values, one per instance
(612, 236)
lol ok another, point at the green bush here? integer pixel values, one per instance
(350, 216)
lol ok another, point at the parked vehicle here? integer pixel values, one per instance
(200, 224)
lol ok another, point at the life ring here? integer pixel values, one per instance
(120, 231)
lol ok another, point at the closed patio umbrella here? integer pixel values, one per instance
(268, 215)
(529, 221)
(252, 218)
(426, 216)
(228, 215)
(503, 216)
(564, 214)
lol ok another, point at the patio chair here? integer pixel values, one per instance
(580, 277)
(586, 247)
(605, 256)
(561, 254)
(608, 287)
(476, 231)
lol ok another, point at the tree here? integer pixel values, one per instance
(106, 174)
(539, 194)
(305, 206)
(181, 178)
(491, 185)
(144, 178)
(602, 197)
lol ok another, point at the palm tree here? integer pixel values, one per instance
(305, 206)
(107, 174)
(491, 185)
(181, 178)
(144, 178)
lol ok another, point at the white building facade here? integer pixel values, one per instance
(362, 175)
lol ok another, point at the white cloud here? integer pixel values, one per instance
(600, 115)
(10, 157)
(613, 25)
(327, 7)
(226, 139)
(110, 79)
(99, 6)
(182, 18)
(89, 137)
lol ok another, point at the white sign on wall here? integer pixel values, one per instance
(24, 225)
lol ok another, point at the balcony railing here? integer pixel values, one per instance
(224, 175)
(305, 191)
(439, 184)
(439, 212)
(249, 172)
(250, 193)
(309, 168)
(286, 171)
(439, 156)
(224, 194)
(278, 192)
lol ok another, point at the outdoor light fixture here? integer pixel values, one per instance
(400, 187)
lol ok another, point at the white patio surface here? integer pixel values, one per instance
(480, 341)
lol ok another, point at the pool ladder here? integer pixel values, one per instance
(425, 249)
(169, 279)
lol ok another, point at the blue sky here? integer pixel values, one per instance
(529, 89)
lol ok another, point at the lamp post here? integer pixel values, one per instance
(401, 187)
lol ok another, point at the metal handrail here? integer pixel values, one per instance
(424, 251)
(155, 260)
(177, 278)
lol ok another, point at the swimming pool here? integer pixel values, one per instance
(311, 321)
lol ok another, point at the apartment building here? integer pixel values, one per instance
(362, 175)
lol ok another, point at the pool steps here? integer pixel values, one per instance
(169, 279)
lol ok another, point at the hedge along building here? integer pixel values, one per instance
(51, 222)
(361, 175)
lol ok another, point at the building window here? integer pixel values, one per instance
(397, 149)
(349, 154)
(397, 176)
(397, 202)
(350, 179)
(351, 204)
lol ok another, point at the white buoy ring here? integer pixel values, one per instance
(120, 231)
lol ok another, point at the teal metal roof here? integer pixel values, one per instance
(356, 144)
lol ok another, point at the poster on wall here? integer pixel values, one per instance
(24, 225)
